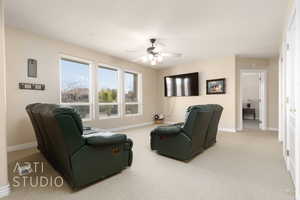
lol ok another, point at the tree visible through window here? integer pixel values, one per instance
(108, 84)
(131, 93)
(75, 86)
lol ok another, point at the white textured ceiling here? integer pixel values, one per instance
(198, 29)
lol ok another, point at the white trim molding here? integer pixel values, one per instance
(4, 191)
(21, 146)
(168, 122)
(263, 81)
(130, 126)
(272, 129)
(230, 130)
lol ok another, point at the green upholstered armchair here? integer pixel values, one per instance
(79, 157)
(183, 141)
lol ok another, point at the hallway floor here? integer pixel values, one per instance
(251, 124)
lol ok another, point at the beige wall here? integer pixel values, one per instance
(22, 45)
(229, 67)
(174, 107)
(3, 153)
(271, 66)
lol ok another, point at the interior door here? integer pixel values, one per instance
(290, 100)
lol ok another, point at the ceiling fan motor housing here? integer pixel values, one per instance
(154, 55)
(151, 49)
(152, 40)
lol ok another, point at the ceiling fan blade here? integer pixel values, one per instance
(171, 54)
(132, 50)
(160, 43)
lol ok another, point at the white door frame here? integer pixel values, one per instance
(262, 96)
(297, 101)
(283, 136)
(282, 125)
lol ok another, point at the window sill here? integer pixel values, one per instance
(113, 117)
(132, 115)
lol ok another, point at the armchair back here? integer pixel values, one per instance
(196, 125)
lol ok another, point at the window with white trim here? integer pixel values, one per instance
(75, 86)
(131, 93)
(108, 85)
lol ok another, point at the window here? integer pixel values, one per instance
(131, 91)
(75, 86)
(108, 92)
(116, 93)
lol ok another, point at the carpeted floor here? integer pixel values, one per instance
(250, 124)
(241, 166)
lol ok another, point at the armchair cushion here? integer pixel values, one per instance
(167, 130)
(105, 138)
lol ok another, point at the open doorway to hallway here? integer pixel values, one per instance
(250, 100)
(253, 99)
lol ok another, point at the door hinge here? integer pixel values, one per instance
(287, 152)
(259, 121)
(288, 46)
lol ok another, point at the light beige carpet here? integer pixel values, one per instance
(251, 124)
(241, 166)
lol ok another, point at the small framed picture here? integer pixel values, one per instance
(216, 86)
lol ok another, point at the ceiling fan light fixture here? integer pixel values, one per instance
(153, 62)
(144, 59)
(154, 55)
(150, 56)
(159, 58)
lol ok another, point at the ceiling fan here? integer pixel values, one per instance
(154, 55)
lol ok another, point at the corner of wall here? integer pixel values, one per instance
(4, 188)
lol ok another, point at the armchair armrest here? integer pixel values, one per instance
(180, 124)
(105, 138)
(87, 128)
(167, 130)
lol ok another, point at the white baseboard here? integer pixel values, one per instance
(231, 130)
(169, 122)
(21, 146)
(272, 129)
(34, 144)
(4, 191)
(267, 129)
(129, 127)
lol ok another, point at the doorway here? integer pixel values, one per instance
(253, 100)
